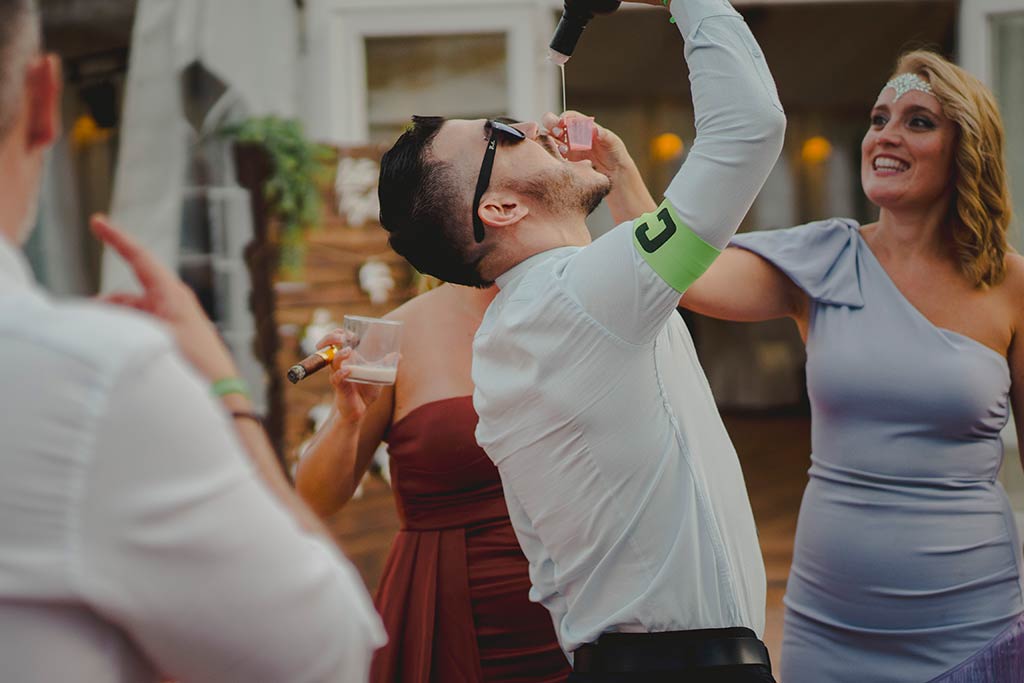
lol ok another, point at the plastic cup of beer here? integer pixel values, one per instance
(579, 132)
(374, 358)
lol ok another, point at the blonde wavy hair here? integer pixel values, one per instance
(980, 209)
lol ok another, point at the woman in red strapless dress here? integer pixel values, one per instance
(454, 594)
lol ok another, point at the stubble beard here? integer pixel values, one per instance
(563, 192)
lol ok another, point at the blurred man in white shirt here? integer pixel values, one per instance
(145, 527)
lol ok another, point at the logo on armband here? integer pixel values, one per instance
(672, 250)
(649, 244)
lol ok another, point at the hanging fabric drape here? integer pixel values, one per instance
(249, 45)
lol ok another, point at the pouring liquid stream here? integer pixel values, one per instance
(562, 68)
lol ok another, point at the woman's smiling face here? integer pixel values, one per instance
(907, 153)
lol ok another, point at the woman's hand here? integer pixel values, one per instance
(341, 450)
(166, 297)
(351, 399)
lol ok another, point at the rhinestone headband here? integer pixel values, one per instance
(904, 83)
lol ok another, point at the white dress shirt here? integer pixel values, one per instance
(136, 538)
(621, 481)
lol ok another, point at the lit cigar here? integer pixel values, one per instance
(311, 363)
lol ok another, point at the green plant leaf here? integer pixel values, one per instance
(291, 192)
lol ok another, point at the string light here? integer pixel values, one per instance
(87, 132)
(666, 147)
(816, 150)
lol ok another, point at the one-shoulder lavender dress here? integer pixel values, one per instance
(907, 563)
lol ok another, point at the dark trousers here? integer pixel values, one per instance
(678, 657)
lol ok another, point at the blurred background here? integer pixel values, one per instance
(240, 140)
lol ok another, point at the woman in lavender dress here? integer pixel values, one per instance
(907, 562)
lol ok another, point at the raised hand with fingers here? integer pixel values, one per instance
(608, 153)
(165, 296)
(629, 197)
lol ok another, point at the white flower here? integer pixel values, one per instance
(375, 279)
(356, 187)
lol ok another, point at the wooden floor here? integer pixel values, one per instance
(774, 454)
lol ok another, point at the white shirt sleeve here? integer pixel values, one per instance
(738, 116)
(182, 545)
(631, 282)
(616, 288)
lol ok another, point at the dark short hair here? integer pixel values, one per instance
(422, 207)
(19, 29)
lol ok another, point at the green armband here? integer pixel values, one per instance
(671, 248)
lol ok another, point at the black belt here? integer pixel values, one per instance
(671, 651)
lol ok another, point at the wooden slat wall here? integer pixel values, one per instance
(335, 251)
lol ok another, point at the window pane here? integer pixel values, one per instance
(459, 76)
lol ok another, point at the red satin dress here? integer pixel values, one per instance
(453, 596)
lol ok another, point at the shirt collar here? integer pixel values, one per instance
(15, 273)
(523, 266)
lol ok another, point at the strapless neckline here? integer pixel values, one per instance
(455, 591)
(421, 407)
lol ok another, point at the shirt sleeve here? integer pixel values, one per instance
(738, 117)
(618, 288)
(632, 282)
(183, 546)
(820, 258)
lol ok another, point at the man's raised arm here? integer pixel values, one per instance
(631, 279)
(740, 129)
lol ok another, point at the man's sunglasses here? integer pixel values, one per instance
(504, 131)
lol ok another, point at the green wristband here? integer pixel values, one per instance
(229, 385)
(671, 248)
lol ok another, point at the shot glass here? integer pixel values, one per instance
(579, 132)
(374, 358)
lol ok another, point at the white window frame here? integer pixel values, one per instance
(231, 282)
(974, 43)
(335, 62)
(975, 35)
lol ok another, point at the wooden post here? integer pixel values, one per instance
(252, 168)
